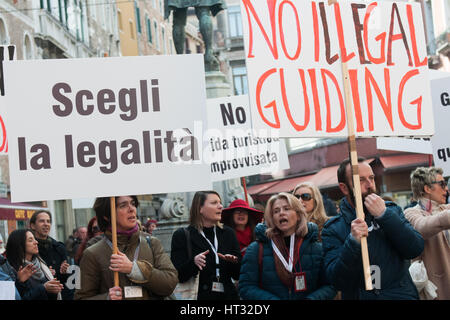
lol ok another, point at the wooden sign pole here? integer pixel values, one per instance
(245, 188)
(355, 169)
(114, 236)
(355, 174)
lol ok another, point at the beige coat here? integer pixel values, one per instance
(160, 275)
(436, 254)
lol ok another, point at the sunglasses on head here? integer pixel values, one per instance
(441, 183)
(304, 196)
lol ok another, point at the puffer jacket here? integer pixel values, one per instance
(311, 261)
(160, 276)
(392, 241)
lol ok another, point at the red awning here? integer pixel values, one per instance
(286, 185)
(16, 211)
(326, 177)
(404, 161)
(257, 188)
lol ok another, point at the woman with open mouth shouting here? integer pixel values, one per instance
(286, 261)
(145, 270)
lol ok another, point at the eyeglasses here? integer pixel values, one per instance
(304, 196)
(441, 183)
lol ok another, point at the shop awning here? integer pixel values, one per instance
(326, 177)
(404, 161)
(258, 188)
(17, 210)
(286, 185)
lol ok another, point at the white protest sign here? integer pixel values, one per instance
(82, 128)
(7, 290)
(6, 53)
(294, 53)
(233, 149)
(417, 145)
(440, 90)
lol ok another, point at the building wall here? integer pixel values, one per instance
(127, 28)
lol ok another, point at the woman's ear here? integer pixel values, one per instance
(427, 189)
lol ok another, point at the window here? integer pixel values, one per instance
(138, 18)
(163, 36)
(119, 17)
(131, 29)
(27, 48)
(155, 25)
(234, 21)
(3, 33)
(149, 29)
(240, 79)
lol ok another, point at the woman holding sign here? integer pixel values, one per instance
(286, 260)
(214, 250)
(145, 270)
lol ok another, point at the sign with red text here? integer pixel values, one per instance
(99, 127)
(7, 52)
(294, 56)
(233, 148)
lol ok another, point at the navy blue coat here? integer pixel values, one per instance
(311, 260)
(392, 241)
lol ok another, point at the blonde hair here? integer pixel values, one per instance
(318, 215)
(295, 204)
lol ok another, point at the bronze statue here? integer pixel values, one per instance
(203, 9)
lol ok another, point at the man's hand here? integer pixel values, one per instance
(375, 204)
(359, 229)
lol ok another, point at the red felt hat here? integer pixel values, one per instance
(241, 204)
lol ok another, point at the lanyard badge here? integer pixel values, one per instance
(300, 282)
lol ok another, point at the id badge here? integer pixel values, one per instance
(133, 292)
(300, 282)
(218, 287)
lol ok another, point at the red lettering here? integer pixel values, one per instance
(385, 104)
(4, 146)
(325, 73)
(412, 30)
(316, 32)
(344, 56)
(272, 46)
(417, 102)
(312, 76)
(353, 75)
(286, 103)
(280, 25)
(381, 37)
(394, 37)
(271, 104)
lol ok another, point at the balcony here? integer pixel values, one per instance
(50, 29)
(235, 43)
(443, 43)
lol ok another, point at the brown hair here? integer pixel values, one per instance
(102, 208)
(295, 204)
(198, 201)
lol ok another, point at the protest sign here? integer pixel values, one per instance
(294, 51)
(233, 149)
(440, 90)
(416, 145)
(105, 126)
(6, 53)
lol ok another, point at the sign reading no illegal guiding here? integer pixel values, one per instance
(294, 55)
(105, 126)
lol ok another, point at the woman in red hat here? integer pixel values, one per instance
(243, 219)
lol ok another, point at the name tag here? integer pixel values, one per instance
(300, 282)
(133, 292)
(218, 287)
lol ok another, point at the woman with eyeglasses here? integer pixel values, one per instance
(144, 268)
(431, 217)
(94, 234)
(311, 198)
(286, 261)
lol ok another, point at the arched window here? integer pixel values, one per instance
(4, 39)
(27, 48)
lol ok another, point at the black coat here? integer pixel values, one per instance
(186, 268)
(54, 253)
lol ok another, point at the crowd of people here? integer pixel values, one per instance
(294, 248)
